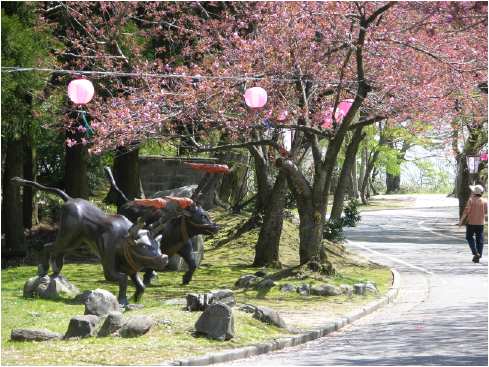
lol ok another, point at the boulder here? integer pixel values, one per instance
(113, 322)
(325, 290)
(265, 284)
(246, 281)
(33, 335)
(304, 289)
(100, 302)
(346, 289)
(359, 289)
(269, 316)
(216, 322)
(287, 288)
(82, 326)
(261, 274)
(136, 326)
(49, 287)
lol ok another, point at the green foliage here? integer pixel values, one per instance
(27, 44)
(333, 230)
(352, 214)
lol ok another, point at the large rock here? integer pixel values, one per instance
(216, 322)
(113, 322)
(82, 326)
(371, 287)
(49, 287)
(269, 316)
(33, 335)
(136, 326)
(325, 290)
(247, 308)
(100, 302)
(246, 281)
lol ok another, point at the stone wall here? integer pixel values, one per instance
(158, 173)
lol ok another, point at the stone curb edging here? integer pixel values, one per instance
(280, 343)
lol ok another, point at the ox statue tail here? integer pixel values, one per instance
(122, 198)
(20, 181)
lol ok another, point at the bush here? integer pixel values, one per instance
(333, 230)
(352, 215)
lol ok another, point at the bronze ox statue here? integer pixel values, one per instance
(176, 224)
(123, 247)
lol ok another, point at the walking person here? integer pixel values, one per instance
(474, 218)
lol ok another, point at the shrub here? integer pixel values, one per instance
(352, 215)
(333, 230)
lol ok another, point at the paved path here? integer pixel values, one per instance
(440, 315)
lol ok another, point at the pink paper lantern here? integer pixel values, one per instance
(484, 156)
(343, 108)
(80, 91)
(255, 97)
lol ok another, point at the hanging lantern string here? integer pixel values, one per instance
(18, 69)
(86, 125)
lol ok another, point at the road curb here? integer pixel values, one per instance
(281, 343)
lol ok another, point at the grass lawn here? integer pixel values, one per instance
(173, 336)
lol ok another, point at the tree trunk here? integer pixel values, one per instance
(463, 182)
(29, 174)
(311, 232)
(363, 165)
(350, 156)
(393, 183)
(267, 246)
(12, 216)
(126, 174)
(365, 189)
(353, 180)
(76, 178)
(234, 185)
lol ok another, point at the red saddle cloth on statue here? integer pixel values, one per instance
(160, 203)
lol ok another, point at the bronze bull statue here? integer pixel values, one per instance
(123, 247)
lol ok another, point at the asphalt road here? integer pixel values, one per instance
(440, 315)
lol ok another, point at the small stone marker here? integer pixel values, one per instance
(136, 326)
(82, 326)
(248, 308)
(269, 316)
(113, 322)
(216, 322)
(100, 302)
(33, 335)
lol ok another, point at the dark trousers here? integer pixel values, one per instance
(477, 245)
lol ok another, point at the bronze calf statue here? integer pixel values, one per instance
(123, 247)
